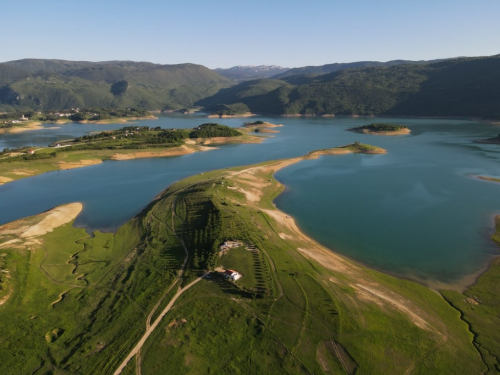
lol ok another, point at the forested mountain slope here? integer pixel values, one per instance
(57, 84)
(457, 87)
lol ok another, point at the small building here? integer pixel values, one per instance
(231, 274)
(31, 152)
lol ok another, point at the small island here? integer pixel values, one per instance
(353, 148)
(382, 129)
(261, 127)
(130, 142)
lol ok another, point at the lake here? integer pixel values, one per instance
(415, 211)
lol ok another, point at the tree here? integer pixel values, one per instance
(78, 117)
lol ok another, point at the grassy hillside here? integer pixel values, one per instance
(459, 87)
(57, 84)
(86, 301)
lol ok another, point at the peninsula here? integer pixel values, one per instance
(129, 142)
(382, 129)
(14, 122)
(353, 148)
(143, 298)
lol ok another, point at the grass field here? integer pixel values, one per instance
(84, 301)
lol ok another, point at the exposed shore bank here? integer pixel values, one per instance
(16, 170)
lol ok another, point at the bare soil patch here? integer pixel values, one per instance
(78, 164)
(3, 180)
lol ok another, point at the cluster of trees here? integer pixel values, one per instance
(131, 137)
(229, 109)
(96, 114)
(384, 127)
(211, 130)
(29, 157)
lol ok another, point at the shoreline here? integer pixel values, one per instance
(117, 120)
(466, 118)
(31, 125)
(190, 146)
(37, 125)
(460, 285)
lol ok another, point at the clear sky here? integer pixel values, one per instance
(224, 33)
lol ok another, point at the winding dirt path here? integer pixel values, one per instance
(148, 333)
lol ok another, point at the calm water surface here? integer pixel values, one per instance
(415, 211)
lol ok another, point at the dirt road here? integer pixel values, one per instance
(141, 342)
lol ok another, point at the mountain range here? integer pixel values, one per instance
(451, 87)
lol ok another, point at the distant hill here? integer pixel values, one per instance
(329, 68)
(455, 87)
(57, 84)
(244, 73)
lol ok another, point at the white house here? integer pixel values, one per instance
(231, 274)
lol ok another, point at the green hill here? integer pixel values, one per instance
(57, 84)
(458, 87)
(87, 300)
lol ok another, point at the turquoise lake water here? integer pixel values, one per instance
(415, 211)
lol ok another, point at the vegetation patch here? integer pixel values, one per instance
(382, 129)
(126, 143)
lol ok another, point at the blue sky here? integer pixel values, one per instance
(224, 33)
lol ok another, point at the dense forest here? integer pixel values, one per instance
(455, 87)
(57, 84)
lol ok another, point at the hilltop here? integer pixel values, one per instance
(244, 73)
(329, 68)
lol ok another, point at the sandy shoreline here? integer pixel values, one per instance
(459, 285)
(190, 146)
(78, 164)
(253, 180)
(324, 255)
(22, 128)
